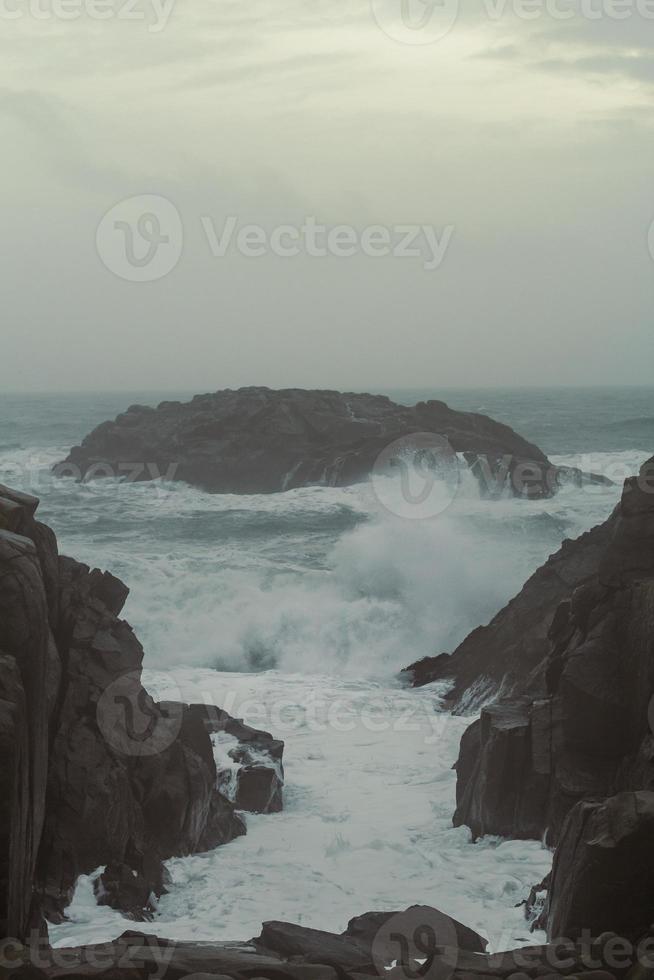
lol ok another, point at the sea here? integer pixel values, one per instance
(297, 612)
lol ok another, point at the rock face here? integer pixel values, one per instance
(256, 440)
(27, 659)
(508, 654)
(93, 771)
(604, 868)
(551, 765)
(527, 761)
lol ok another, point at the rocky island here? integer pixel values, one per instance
(258, 440)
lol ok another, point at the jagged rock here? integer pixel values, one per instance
(93, 772)
(128, 779)
(256, 440)
(259, 779)
(507, 654)
(133, 888)
(604, 868)
(529, 761)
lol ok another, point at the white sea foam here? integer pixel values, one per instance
(336, 594)
(367, 823)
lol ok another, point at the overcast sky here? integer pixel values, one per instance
(523, 145)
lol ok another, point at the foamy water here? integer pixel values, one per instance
(297, 610)
(367, 822)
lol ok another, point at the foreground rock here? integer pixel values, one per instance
(322, 956)
(256, 440)
(372, 938)
(93, 771)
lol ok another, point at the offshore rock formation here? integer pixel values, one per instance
(256, 440)
(93, 771)
(576, 761)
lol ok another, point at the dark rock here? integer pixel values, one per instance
(502, 778)
(93, 772)
(604, 869)
(365, 928)
(25, 649)
(374, 940)
(131, 891)
(256, 440)
(259, 790)
(312, 945)
(508, 654)
(259, 783)
(140, 957)
(530, 760)
(536, 904)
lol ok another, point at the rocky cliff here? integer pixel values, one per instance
(575, 761)
(256, 440)
(93, 771)
(508, 654)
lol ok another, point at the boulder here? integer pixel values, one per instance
(312, 946)
(365, 928)
(256, 440)
(255, 779)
